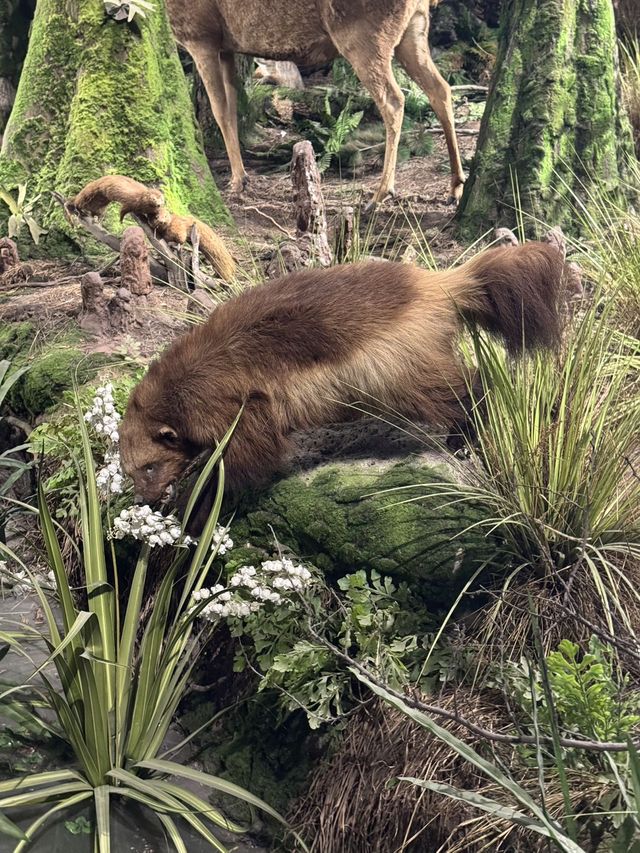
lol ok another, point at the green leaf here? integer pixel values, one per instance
(34, 780)
(147, 683)
(103, 831)
(101, 602)
(8, 827)
(32, 798)
(172, 831)
(56, 561)
(172, 769)
(199, 805)
(68, 803)
(469, 754)
(497, 810)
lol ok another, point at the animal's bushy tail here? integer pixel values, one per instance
(216, 251)
(516, 293)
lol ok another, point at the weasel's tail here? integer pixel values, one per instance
(515, 292)
(214, 249)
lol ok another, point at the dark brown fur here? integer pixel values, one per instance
(135, 197)
(300, 351)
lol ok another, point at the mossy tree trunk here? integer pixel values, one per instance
(553, 123)
(97, 97)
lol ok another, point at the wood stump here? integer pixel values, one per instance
(8, 254)
(135, 272)
(311, 222)
(343, 234)
(101, 316)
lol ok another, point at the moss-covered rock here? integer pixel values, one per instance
(53, 368)
(553, 125)
(258, 748)
(16, 340)
(353, 515)
(98, 97)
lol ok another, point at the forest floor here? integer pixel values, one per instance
(420, 212)
(418, 220)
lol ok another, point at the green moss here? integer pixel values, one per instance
(258, 750)
(97, 97)
(53, 368)
(341, 519)
(48, 376)
(16, 340)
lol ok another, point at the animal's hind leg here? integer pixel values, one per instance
(414, 55)
(373, 67)
(217, 71)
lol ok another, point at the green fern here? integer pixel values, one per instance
(340, 129)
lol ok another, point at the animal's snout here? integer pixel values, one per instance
(138, 499)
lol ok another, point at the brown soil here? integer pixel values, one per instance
(419, 215)
(48, 292)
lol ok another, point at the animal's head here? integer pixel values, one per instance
(152, 451)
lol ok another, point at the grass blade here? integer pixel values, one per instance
(103, 832)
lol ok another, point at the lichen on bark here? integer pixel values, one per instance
(98, 97)
(553, 130)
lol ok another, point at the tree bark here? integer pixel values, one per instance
(96, 97)
(135, 273)
(311, 222)
(15, 17)
(553, 128)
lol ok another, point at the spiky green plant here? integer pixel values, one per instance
(119, 691)
(556, 455)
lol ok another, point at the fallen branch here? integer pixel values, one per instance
(469, 87)
(270, 218)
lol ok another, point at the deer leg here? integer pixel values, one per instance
(414, 55)
(231, 93)
(376, 75)
(217, 71)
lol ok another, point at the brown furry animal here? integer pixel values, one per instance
(176, 229)
(134, 197)
(368, 33)
(298, 350)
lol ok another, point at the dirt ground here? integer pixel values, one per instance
(48, 292)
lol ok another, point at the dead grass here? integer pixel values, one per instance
(352, 805)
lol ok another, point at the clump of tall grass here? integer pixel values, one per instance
(609, 246)
(556, 460)
(121, 679)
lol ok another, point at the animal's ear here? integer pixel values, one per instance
(167, 434)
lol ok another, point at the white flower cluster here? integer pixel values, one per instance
(109, 478)
(143, 523)
(222, 540)
(102, 415)
(250, 589)
(223, 604)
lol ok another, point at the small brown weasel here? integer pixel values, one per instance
(300, 351)
(176, 229)
(135, 197)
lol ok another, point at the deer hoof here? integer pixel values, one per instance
(238, 185)
(456, 193)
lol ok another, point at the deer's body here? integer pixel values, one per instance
(368, 33)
